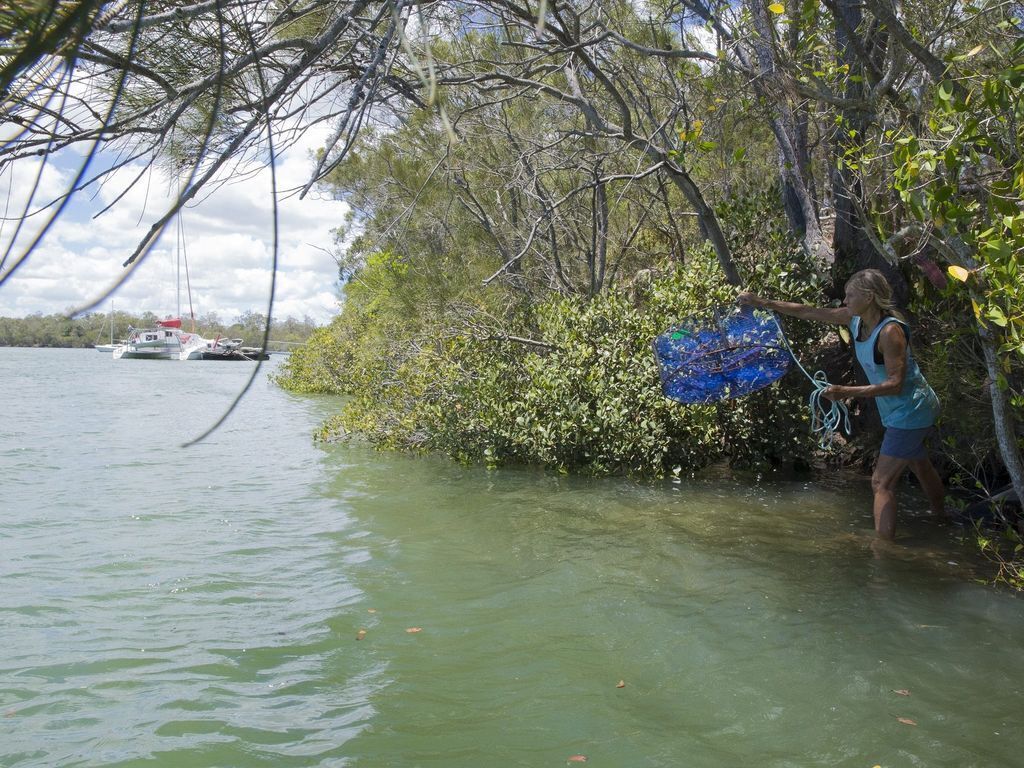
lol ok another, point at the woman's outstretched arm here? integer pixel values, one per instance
(835, 316)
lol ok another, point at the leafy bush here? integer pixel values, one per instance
(570, 384)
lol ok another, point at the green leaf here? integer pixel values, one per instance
(776, 8)
(1005, 206)
(995, 314)
(998, 249)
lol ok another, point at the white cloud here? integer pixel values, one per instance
(228, 242)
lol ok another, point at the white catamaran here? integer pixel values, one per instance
(166, 340)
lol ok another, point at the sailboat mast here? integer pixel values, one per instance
(177, 281)
(188, 282)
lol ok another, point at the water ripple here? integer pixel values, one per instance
(257, 601)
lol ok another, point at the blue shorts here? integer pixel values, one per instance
(905, 443)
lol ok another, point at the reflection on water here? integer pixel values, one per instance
(248, 602)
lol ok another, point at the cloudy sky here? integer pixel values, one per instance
(228, 242)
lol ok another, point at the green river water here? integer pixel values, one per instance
(248, 601)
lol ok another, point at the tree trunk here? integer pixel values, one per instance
(853, 249)
(794, 160)
(708, 222)
(1006, 434)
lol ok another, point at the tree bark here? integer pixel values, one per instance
(853, 249)
(1002, 415)
(1006, 435)
(794, 163)
(708, 222)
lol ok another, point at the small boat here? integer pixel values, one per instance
(221, 349)
(197, 347)
(109, 348)
(236, 353)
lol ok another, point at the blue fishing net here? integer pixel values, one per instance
(723, 353)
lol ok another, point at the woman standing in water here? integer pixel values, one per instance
(907, 405)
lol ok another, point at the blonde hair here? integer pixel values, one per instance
(873, 283)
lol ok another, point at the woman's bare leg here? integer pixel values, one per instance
(931, 484)
(888, 471)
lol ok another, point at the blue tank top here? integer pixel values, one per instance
(916, 406)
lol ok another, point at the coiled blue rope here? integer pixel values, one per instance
(825, 420)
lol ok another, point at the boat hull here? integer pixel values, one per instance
(128, 352)
(248, 354)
